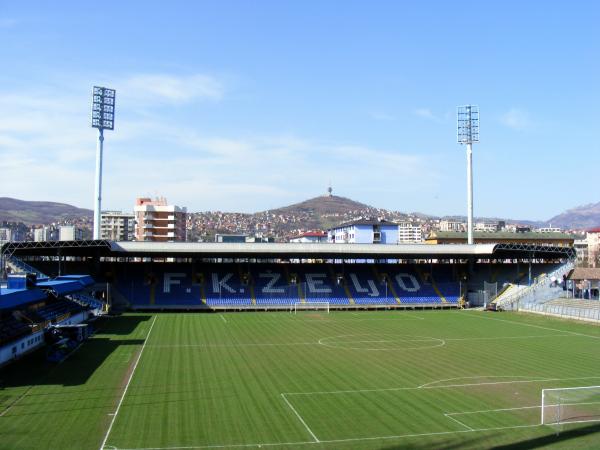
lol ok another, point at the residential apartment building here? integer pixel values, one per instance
(117, 226)
(5, 235)
(155, 220)
(409, 233)
(489, 226)
(364, 231)
(452, 225)
(69, 233)
(45, 234)
(593, 246)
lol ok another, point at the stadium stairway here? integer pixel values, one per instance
(17, 266)
(87, 300)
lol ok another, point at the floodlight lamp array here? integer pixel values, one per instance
(103, 108)
(467, 124)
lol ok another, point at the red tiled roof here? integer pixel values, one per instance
(594, 230)
(313, 234)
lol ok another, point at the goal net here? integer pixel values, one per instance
(311, 306)
(571, 405)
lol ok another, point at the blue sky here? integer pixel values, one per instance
(247, 106)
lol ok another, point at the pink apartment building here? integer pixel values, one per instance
(155, 220)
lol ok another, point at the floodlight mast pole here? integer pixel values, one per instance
(103, 118)
(468, 133)
(469, 193)
(98, 185)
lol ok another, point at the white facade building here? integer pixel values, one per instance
(69, 233)
(364, 231)
(5, 235)
(117, 226)
(310, 237)
(409, 233)
(489, 227)
(44, 234)
(452, 225)
(550, 229)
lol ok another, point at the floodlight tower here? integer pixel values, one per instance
(468, 133)
(103, 118)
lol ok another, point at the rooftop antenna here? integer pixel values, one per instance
(468, 133)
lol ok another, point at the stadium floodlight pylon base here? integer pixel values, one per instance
(562, 406)
(311, 306)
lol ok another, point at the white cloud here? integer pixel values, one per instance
(382, 116)
(159, 88)
(426, 113)
(516, 119)
(48, 150)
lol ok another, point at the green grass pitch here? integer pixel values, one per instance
(344, 380)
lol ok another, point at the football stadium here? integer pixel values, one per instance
(142, 345)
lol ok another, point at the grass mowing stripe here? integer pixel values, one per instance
(114, 415)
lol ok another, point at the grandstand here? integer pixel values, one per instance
(222, 276)
(326, 378)
(30, 308)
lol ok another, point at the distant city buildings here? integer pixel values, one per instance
(364, 231)
(156, 220)
(117, 226)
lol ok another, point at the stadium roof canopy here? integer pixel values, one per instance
(102, 248)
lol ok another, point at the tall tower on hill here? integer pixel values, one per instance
(329, 190)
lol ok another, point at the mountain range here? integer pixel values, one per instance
(35, 212)
(319, 212)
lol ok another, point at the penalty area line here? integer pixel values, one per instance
(459, 422)
(300, 418)
(114, 415)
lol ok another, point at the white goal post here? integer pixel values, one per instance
(570, 405)
(311, 306)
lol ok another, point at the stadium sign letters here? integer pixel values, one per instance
(272, 283)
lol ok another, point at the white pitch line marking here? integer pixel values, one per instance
(300, 417)
(222, 317)
(127, 386)
(458, 422)
(426, 385)
(259, 344)
(283, 344)
(336, 441)
(412, 388)
(534, 326)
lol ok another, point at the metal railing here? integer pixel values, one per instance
(540, 289)
(23, 266)
(588, 314)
